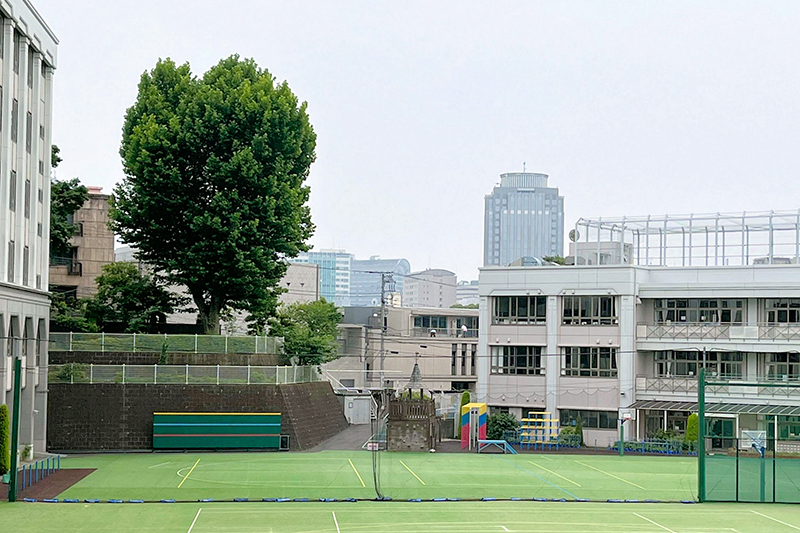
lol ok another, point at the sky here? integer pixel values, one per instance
(631, 108)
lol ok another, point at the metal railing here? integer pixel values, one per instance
(181, 374)
(444, 332)
(706, 331)
(141, 342)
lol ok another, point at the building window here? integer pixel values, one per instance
(30, 67)
(782, 366)
(12, 191)
(783, 310)
(453, 359)
(11, 261)
(16, 52)
(41, 131)
(25, 262)
(27, 198)
(687, 363)
(526, 360)
(519, 310)
(28, 132)
(431, 322)
(589, 310)
(699, 311)
(14, 120)
(589, 419)
(590, 361)
(474, 356)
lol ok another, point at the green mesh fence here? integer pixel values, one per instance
(736, 471)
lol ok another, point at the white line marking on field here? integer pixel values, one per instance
(336, 522)
(195, 520)
(505, 528)
(161, 464)
(654, 523)
(775, 520)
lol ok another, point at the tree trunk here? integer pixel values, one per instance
(208, 314)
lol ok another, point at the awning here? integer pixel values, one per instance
(726, 408)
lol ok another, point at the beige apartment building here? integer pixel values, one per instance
(434, 287)
(444, 342)
(92, 247)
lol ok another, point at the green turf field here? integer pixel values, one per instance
(401, 517)
(224, 476)
(334, 474)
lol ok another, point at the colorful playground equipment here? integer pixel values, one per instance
(473, 425)
(539, 429)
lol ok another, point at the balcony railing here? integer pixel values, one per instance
(704, 331)
(445, 332)
(684, 331)
(688, 385)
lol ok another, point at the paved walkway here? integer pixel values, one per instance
(351, 438)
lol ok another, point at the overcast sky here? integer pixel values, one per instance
(631, 107)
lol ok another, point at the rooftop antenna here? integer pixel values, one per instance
(523, 167)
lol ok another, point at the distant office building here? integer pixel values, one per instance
(467, 293)
(430, 288)
(92, 247)
(523, 217)
(28, 62)
(365, 280)
(334, 273)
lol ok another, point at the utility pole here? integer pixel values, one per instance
(386, 278)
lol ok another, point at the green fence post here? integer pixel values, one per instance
(12, 489)
(701, 435)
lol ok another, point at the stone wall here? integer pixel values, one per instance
(84, 417)
(151, 358)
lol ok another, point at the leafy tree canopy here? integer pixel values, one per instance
(69, 313)
(213, 195)
(468, 306)
(309, 331)
(66, 197)
(126, 295)
(557, 259)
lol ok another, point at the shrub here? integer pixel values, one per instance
(5, 437)
(579, 431)
(692, 428)
(497, 425)
(464, 401)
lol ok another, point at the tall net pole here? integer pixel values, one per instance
(701, 435)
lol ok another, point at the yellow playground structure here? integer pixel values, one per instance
(538, 429)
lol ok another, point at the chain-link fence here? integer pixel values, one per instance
(141, 342)
(181, 374)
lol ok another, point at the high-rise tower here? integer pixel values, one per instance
(522, 217)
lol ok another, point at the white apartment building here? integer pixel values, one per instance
(597, 341)
(27, 62)
(434, 287)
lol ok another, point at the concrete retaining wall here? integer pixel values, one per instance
(84, 417)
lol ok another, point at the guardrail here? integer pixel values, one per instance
(181, 374)
(142, 342)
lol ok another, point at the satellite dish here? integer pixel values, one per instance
(574, 235)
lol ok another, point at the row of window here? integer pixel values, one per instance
(589, 361)
(688, 363)
(696, 310)
(576, 310)
(589, 419)
(602, 310)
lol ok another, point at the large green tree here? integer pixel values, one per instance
(214, 194)
(309, 331)
(126, 295)
(66, 197)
